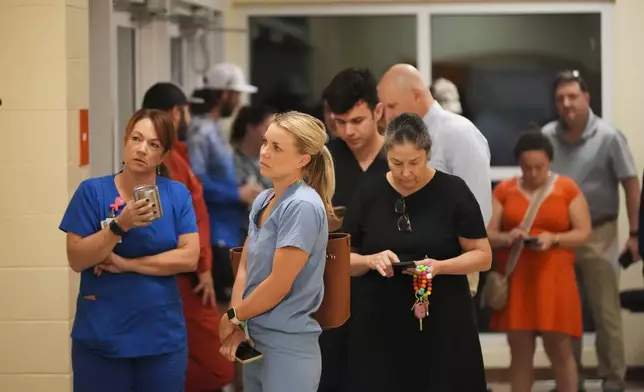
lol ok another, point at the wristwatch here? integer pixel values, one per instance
(633, 233)
(232, 316)
(116, 228)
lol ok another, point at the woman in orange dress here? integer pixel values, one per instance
(543, 298)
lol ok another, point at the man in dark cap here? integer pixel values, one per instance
(207, 369)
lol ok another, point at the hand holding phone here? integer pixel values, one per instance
(531, 241)
(626, 259)
(246, 353)
(403, 265)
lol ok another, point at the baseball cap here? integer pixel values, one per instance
(164, 96)
(227, 76)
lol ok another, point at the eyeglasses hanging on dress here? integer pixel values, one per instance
(404, 224)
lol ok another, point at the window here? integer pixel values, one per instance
(292, 59)
(501, 55)
(176, 60)
(126, 89)
(504, 65)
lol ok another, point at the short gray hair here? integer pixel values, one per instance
(408, 128)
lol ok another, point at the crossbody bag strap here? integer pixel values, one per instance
(536, 201)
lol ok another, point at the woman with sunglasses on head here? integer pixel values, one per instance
(414, 326)
(280, 279)
(129, 333)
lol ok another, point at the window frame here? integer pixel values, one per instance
(123, 19)
(494, 345)
(175, 34)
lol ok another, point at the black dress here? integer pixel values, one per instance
(388, 352)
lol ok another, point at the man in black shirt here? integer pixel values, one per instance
(352, 98)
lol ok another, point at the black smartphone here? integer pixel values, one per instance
(532, 241)
(626, 259)
(246, 353)
(403, 265)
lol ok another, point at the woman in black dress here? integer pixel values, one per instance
(415, 213)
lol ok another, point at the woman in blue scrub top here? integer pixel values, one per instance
(129, 333)
(279, 284)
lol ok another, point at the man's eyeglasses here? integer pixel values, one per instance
(404, 224)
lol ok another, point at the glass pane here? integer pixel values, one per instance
(294, 58)
(176, 60)
(126, 82)
(504, 65)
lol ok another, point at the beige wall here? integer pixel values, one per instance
(628, 77)
(43, 83)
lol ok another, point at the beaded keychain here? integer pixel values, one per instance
(422, 290)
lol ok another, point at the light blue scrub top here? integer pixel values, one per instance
(130, 315)
(298, 219)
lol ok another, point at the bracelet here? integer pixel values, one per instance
(633, 233)
(556, 240)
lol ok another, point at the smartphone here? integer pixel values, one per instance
(403, 265)
(626, 259)
(534, 241)
(246, 353)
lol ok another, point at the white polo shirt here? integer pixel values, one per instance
(460, 149)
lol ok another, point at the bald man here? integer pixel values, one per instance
(458, 147)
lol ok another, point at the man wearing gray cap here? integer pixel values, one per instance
(211, 158)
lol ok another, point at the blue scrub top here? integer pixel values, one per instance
(298, 219)
(130, 315)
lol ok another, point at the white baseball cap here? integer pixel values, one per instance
(227, 76)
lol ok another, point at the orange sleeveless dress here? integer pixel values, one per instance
(543, 294)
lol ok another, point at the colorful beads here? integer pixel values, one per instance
(422, 282)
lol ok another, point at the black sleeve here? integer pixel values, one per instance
(352, 223)
(468, 218)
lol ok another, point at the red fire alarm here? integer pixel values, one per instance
(84, 137)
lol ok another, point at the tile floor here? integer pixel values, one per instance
(546, 386)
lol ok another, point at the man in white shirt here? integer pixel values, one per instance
(458, 147)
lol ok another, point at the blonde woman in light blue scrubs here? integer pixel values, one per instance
(279, 283)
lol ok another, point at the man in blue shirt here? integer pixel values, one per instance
(211, 158)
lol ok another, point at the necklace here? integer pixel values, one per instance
(422, 290)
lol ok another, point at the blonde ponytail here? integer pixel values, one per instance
(320, 175)
(310, 136)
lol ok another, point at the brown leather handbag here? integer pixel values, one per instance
(336, 304)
